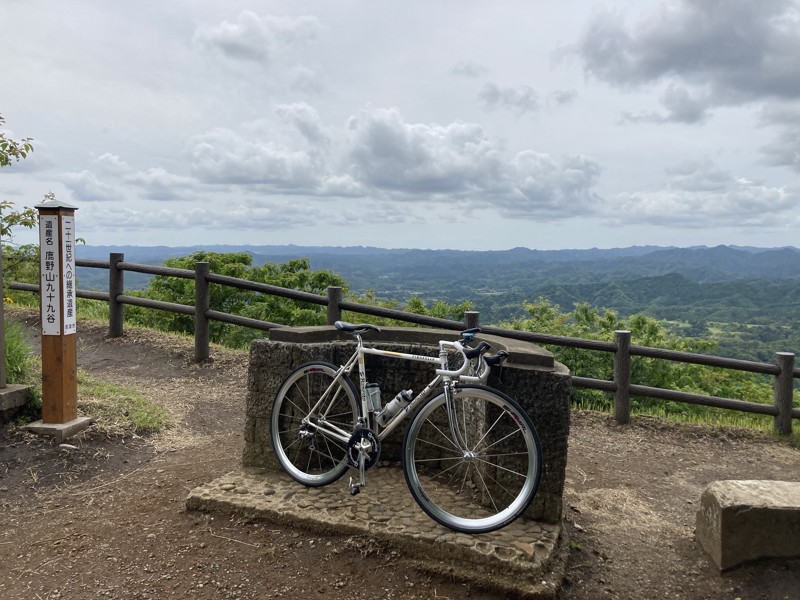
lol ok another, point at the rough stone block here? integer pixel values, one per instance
(740, 521)
(531, 376)
(12, 397)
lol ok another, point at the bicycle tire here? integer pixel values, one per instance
(313, 458)
(488, 486)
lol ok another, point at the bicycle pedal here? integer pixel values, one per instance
(355, 488)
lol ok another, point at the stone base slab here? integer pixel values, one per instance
(60, 431)
(525, 558)
(12, 397)
(740, 521)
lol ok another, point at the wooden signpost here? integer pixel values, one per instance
(58, 315)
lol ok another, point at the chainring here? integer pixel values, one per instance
(353, 448)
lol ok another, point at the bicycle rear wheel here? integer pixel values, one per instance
(485, 482)
(306, 453)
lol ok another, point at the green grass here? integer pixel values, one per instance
(20, 364)
(92, 309)
(713, 417)
(119, 410)
(705, 416)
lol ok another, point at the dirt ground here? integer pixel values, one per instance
(104, 518)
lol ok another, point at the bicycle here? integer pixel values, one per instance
(471, 456)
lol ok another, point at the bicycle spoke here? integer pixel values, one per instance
(516, 431)
(446, 470)
(429, 443)
(484, 461)
(487, 491)
(306, 452)
(424, 460)
(477, 490)
(501, 486)
(452, 443)
(488, 431)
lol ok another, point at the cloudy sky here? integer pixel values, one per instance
(450, 124)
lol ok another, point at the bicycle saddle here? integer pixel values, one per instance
(358, 328)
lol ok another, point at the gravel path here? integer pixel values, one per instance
(107, 519)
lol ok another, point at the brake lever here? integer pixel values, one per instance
(497, 359)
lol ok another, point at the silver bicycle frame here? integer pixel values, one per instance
(444, 377)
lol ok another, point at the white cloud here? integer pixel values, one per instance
(681, 105)
(227, 108)
(158, 184)
(457, 162)
(545, 188)
(469, 69)
(252, 37)
(86, 187)
(306, 120)
(700, 192)
(112, 164)
(564, 97)
(304, 79)
(785, 149)
(223, 156)
(521, 100)
(236, 216)
(709, 53)
(389, 154)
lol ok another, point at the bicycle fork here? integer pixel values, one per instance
(452, 418)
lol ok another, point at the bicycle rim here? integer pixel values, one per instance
(306, 454)
(489, 483)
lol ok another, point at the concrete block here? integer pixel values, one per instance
(60, 431)
(740, 521)
(12, 397)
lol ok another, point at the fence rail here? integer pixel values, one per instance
(783, 370)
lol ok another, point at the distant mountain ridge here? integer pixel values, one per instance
(747, 298)
(700, 263)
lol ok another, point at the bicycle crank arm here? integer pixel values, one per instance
(362, 480)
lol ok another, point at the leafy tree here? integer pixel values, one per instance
(599, 324)
(12, 150)
(17, 263)
(295, 274)
(439, 309)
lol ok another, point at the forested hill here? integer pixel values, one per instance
(499, 281)
(748, 299)
(365, 266)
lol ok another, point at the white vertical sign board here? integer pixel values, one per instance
(50, 283)
(68, 272)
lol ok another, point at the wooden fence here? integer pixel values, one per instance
(783, 370)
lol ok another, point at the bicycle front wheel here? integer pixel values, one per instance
(476, 469)
(305, 451)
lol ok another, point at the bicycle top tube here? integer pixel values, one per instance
(468, 354)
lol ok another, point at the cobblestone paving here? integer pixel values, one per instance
(525, 557)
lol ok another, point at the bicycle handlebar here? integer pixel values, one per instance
(475, 352)
(461, 370)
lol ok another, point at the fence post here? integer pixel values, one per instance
(116, 287)
(784, 388)
(3, 374)
(472, 319)
(202, 303)
(622, 377)
(334, 297)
